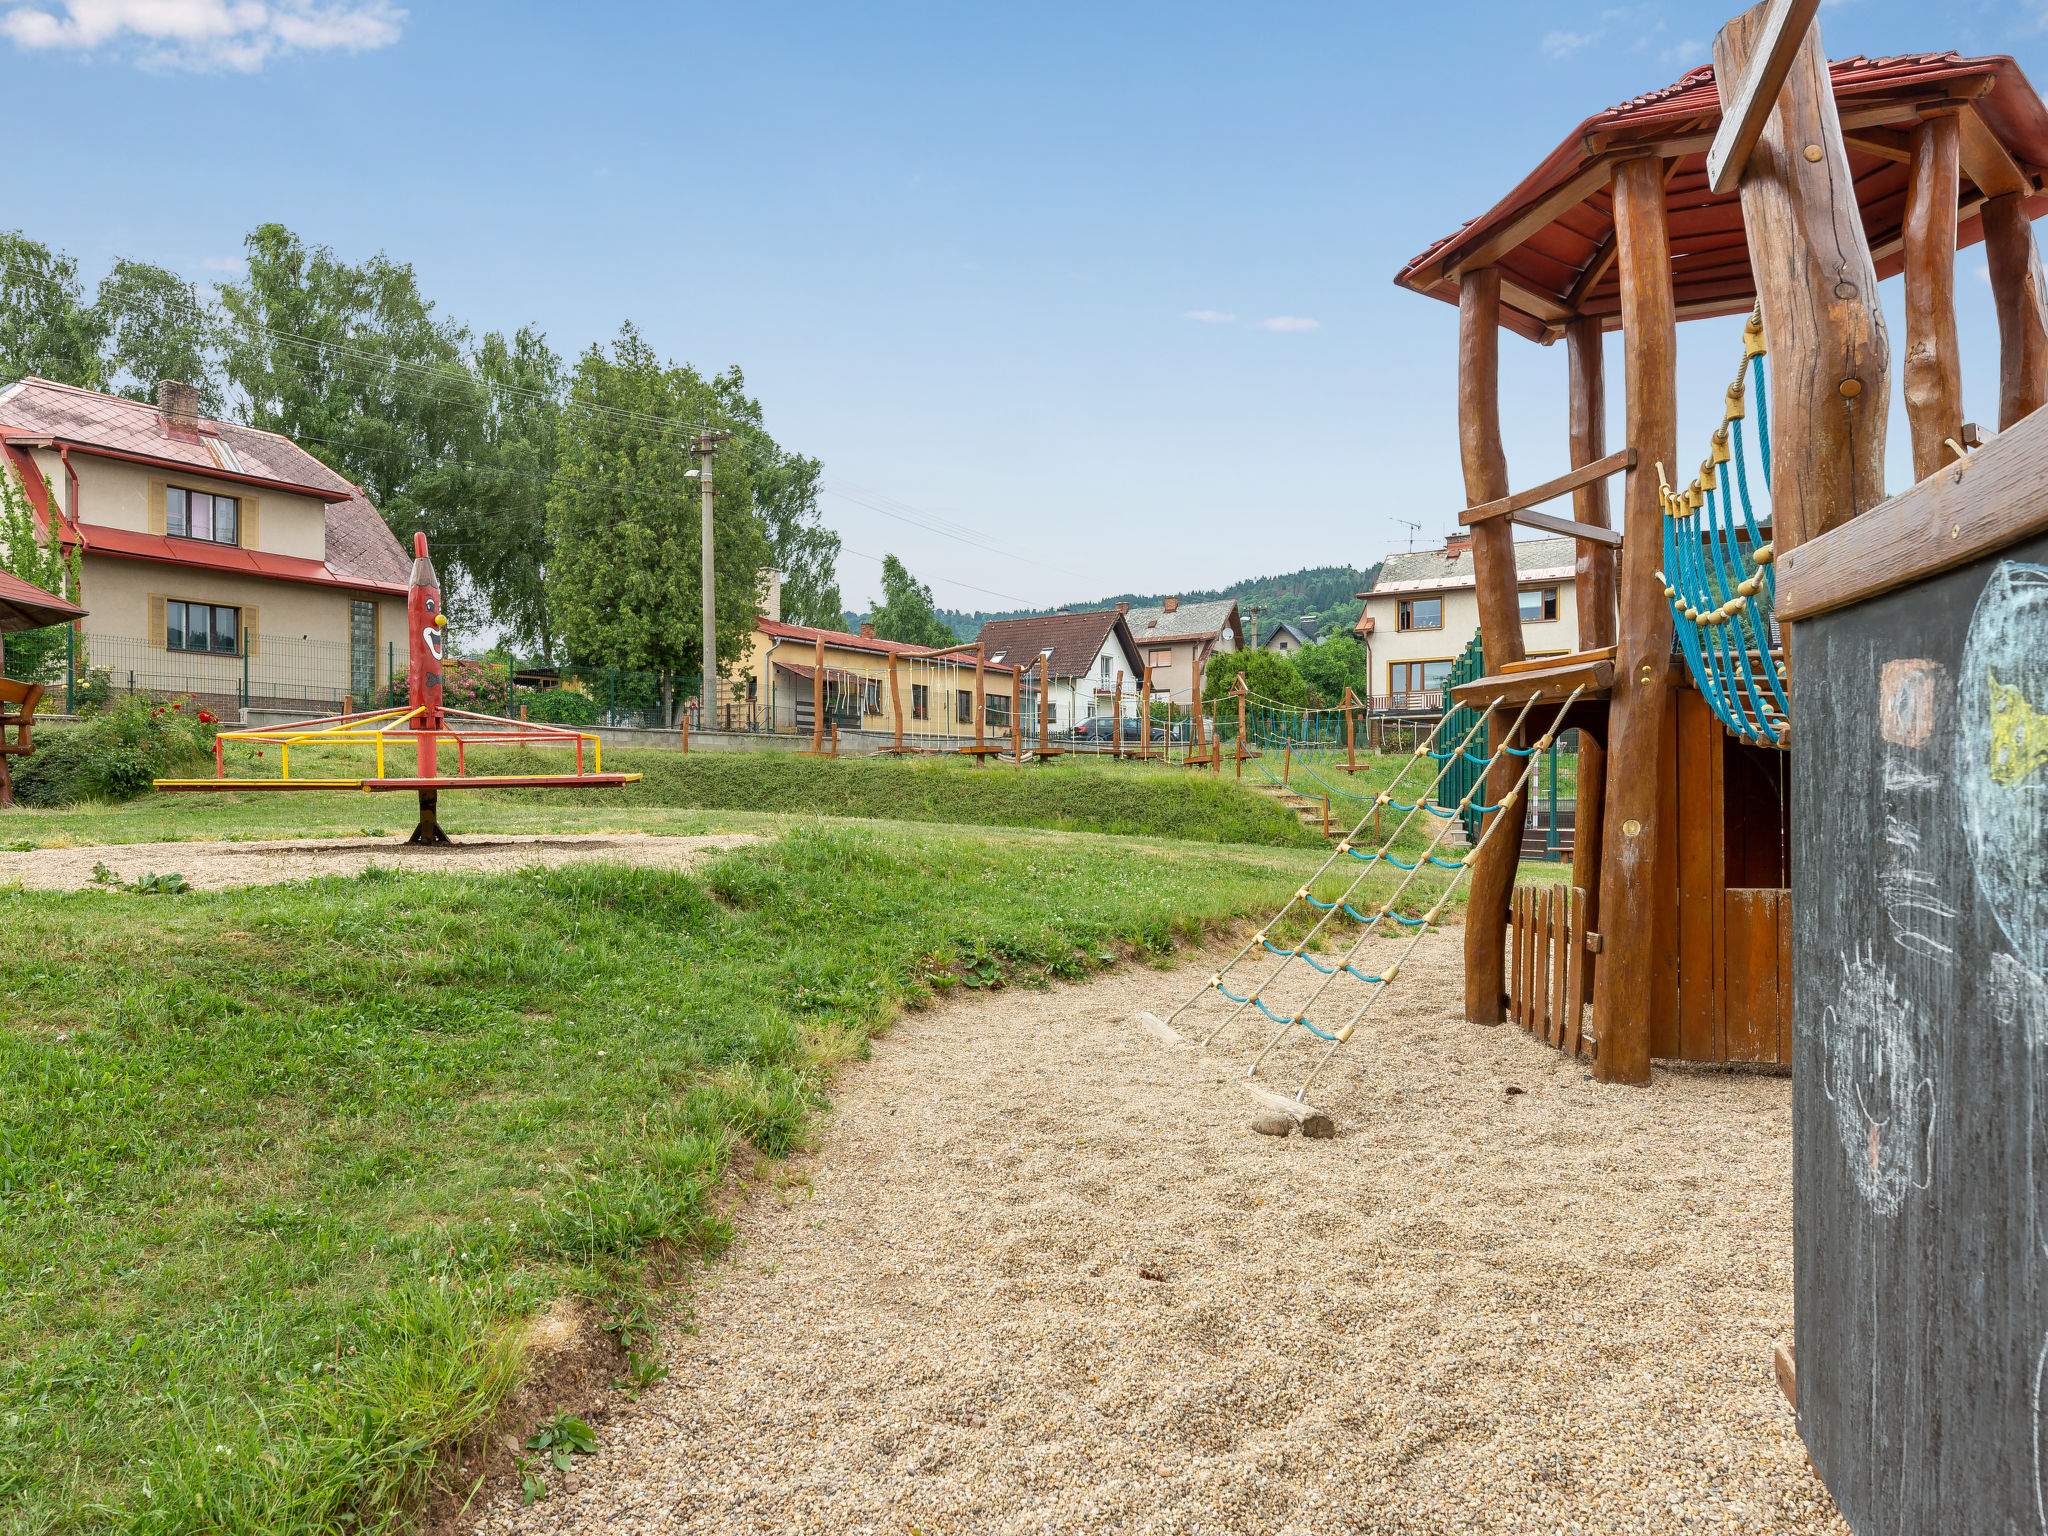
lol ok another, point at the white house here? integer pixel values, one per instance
(1086, 653)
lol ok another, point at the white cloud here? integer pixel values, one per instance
(1686, 54)
(241, 35)
(233, 265)
(1562, 45)
(1208, 316)
(1289, 323)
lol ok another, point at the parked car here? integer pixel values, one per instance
(1101, 729)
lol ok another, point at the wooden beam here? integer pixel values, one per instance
(1931, 367)
(1968, 207)
(1537, 664)
(1550, 490)
(1830, 365)
(2022, 302)
(1635, 867)
(1853, 116)
(1949, 519)
(1588, 533)
(1589, 278)
(1539, 680)
(1593, 584)
(1985, 159)
(1530, 301)
(1489, 247)
(1744, 113)
(1500, 625)
(1884, 143)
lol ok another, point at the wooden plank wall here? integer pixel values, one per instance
(1546, 963)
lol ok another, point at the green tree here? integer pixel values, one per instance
(46, 328)
(505, 553)
(906, 612)
(33, 654)
(154, 326)
(623, 520)
(1267, 674)
(1332, 666)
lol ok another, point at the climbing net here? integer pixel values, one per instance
(1718, 574)
(1369, 920)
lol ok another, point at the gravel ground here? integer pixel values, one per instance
(1040, 1276)
(217, 866)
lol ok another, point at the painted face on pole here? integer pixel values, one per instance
(426, 628)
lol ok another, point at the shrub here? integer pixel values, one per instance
(473, 685)
(118, 753)
(560, 706)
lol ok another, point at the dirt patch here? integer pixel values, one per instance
(1046, 1277)
(219, 866)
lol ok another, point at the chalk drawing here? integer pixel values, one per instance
(1912, 694)
(2002, 753)
(1875, 1076)
(2018, 1005)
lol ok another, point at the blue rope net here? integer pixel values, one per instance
(1719, 571)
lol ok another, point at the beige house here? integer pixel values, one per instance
(214, 559)
(869, 685)
(1423, 611)
(1177, 639)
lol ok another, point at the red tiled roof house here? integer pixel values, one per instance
(211, 554)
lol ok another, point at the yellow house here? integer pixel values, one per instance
(214, 559)
(869, 685)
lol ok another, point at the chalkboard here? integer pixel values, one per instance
(1920, 1048)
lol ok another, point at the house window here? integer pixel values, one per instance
(999, 711)
(1539, 605)
(1160, 658)
(1419, 613)
(198, 515)
(1416, 676)
(1105, 669)
(963, 706)
(920, 701)
(871, 696)
(201, 627)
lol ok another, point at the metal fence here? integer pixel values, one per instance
(273, 672)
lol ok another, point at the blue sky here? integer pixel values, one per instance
(955, 248)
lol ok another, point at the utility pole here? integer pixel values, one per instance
(707, 684)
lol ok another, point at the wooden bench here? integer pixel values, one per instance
(22, 720)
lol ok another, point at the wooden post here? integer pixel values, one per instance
(896, 701)
(1017, 713)
(980, 666)
(683, 736)
(1287, 766)
(1593, 594)
(1500, 622)
(1116, 720)
(1240, 688)
(818, 699)
(1145, 716)
(1044, 701)
(2022, 300)
(1830, 362)
(1635, 868)
(1195, 711)
(1932, 362)
(1350, 743)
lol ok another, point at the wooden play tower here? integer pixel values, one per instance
(1773, 178)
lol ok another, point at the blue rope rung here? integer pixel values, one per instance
(1411, 922)
(1444, 863)
(1230, 994)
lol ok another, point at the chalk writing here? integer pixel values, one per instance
(2001, 743)
(1876, 1079)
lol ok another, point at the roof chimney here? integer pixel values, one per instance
(1456, 545)
(1172, 605)
(1123, 607)
(179, 405)
(867, 630)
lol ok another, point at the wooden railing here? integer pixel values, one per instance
(1547, 964)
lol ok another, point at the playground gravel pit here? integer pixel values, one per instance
(1040, 1275)
(221, 865)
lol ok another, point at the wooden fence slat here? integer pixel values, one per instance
(1575, 989)
(1515, 956)
(1560, 1013)
(1528, 952)
(1539, 1022)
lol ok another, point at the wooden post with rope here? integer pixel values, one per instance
(980, 667)
(1215, 738)
(1116, 720)
(1350, 724)
(818, 699)
(1195, 719)
(1145, 717)
(1017, 713)
(896, 703)
(1240, 689)
(1044, 704)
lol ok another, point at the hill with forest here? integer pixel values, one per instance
(1322, 596)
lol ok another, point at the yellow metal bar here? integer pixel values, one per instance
(380, 754)
(284, 759)
(596, 755)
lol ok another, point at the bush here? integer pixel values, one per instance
(118, 753)
(478, 686)
(560, 706)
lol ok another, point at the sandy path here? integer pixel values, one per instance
(217, 866)
(1473, 1311)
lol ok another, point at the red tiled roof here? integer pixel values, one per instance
(1710, 258)
(197, 553)
(86, 419)
(1075, 639)
(361, 545)
(24, 605)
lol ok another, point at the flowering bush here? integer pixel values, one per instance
(117, 753)
(472, 685)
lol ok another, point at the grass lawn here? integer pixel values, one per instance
(284, 1167)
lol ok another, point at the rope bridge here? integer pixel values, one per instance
(1718, 574)
(1335, 1035)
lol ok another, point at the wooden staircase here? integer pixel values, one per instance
(1314, 810)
